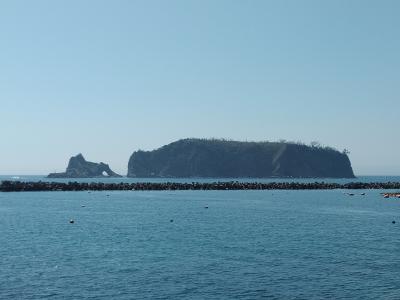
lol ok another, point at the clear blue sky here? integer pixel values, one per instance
(106, 78)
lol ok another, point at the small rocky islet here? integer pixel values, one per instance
(78, 167)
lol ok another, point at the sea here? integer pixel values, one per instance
(319, 244)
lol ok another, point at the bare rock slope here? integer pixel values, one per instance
(78, 167)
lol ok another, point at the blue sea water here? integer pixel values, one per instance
(168, 245)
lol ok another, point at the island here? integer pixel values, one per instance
(78, 167)
(215, 158)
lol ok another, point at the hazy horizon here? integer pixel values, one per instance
(124, 171)
(106, 78)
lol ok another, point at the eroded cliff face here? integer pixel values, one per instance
(220, 158)
(305, 161)
(78, 167)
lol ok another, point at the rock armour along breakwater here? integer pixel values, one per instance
(19, 186)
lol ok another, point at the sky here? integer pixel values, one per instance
(106, 78)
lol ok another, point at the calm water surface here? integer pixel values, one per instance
(246, 245)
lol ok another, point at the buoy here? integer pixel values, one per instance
(393, 222)
(71, 221)
(171, 220)
(83, 205)
(205, 206)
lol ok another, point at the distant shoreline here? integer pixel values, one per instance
(40, 186)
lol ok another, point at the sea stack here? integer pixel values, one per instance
(232, 159)
(78, 167)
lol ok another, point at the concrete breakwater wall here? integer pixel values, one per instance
(19, 186)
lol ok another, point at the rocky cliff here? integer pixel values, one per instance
(78, 167)
(220, 158)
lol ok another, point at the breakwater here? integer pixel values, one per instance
(40, 186)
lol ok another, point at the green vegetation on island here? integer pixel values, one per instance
(234, 159)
